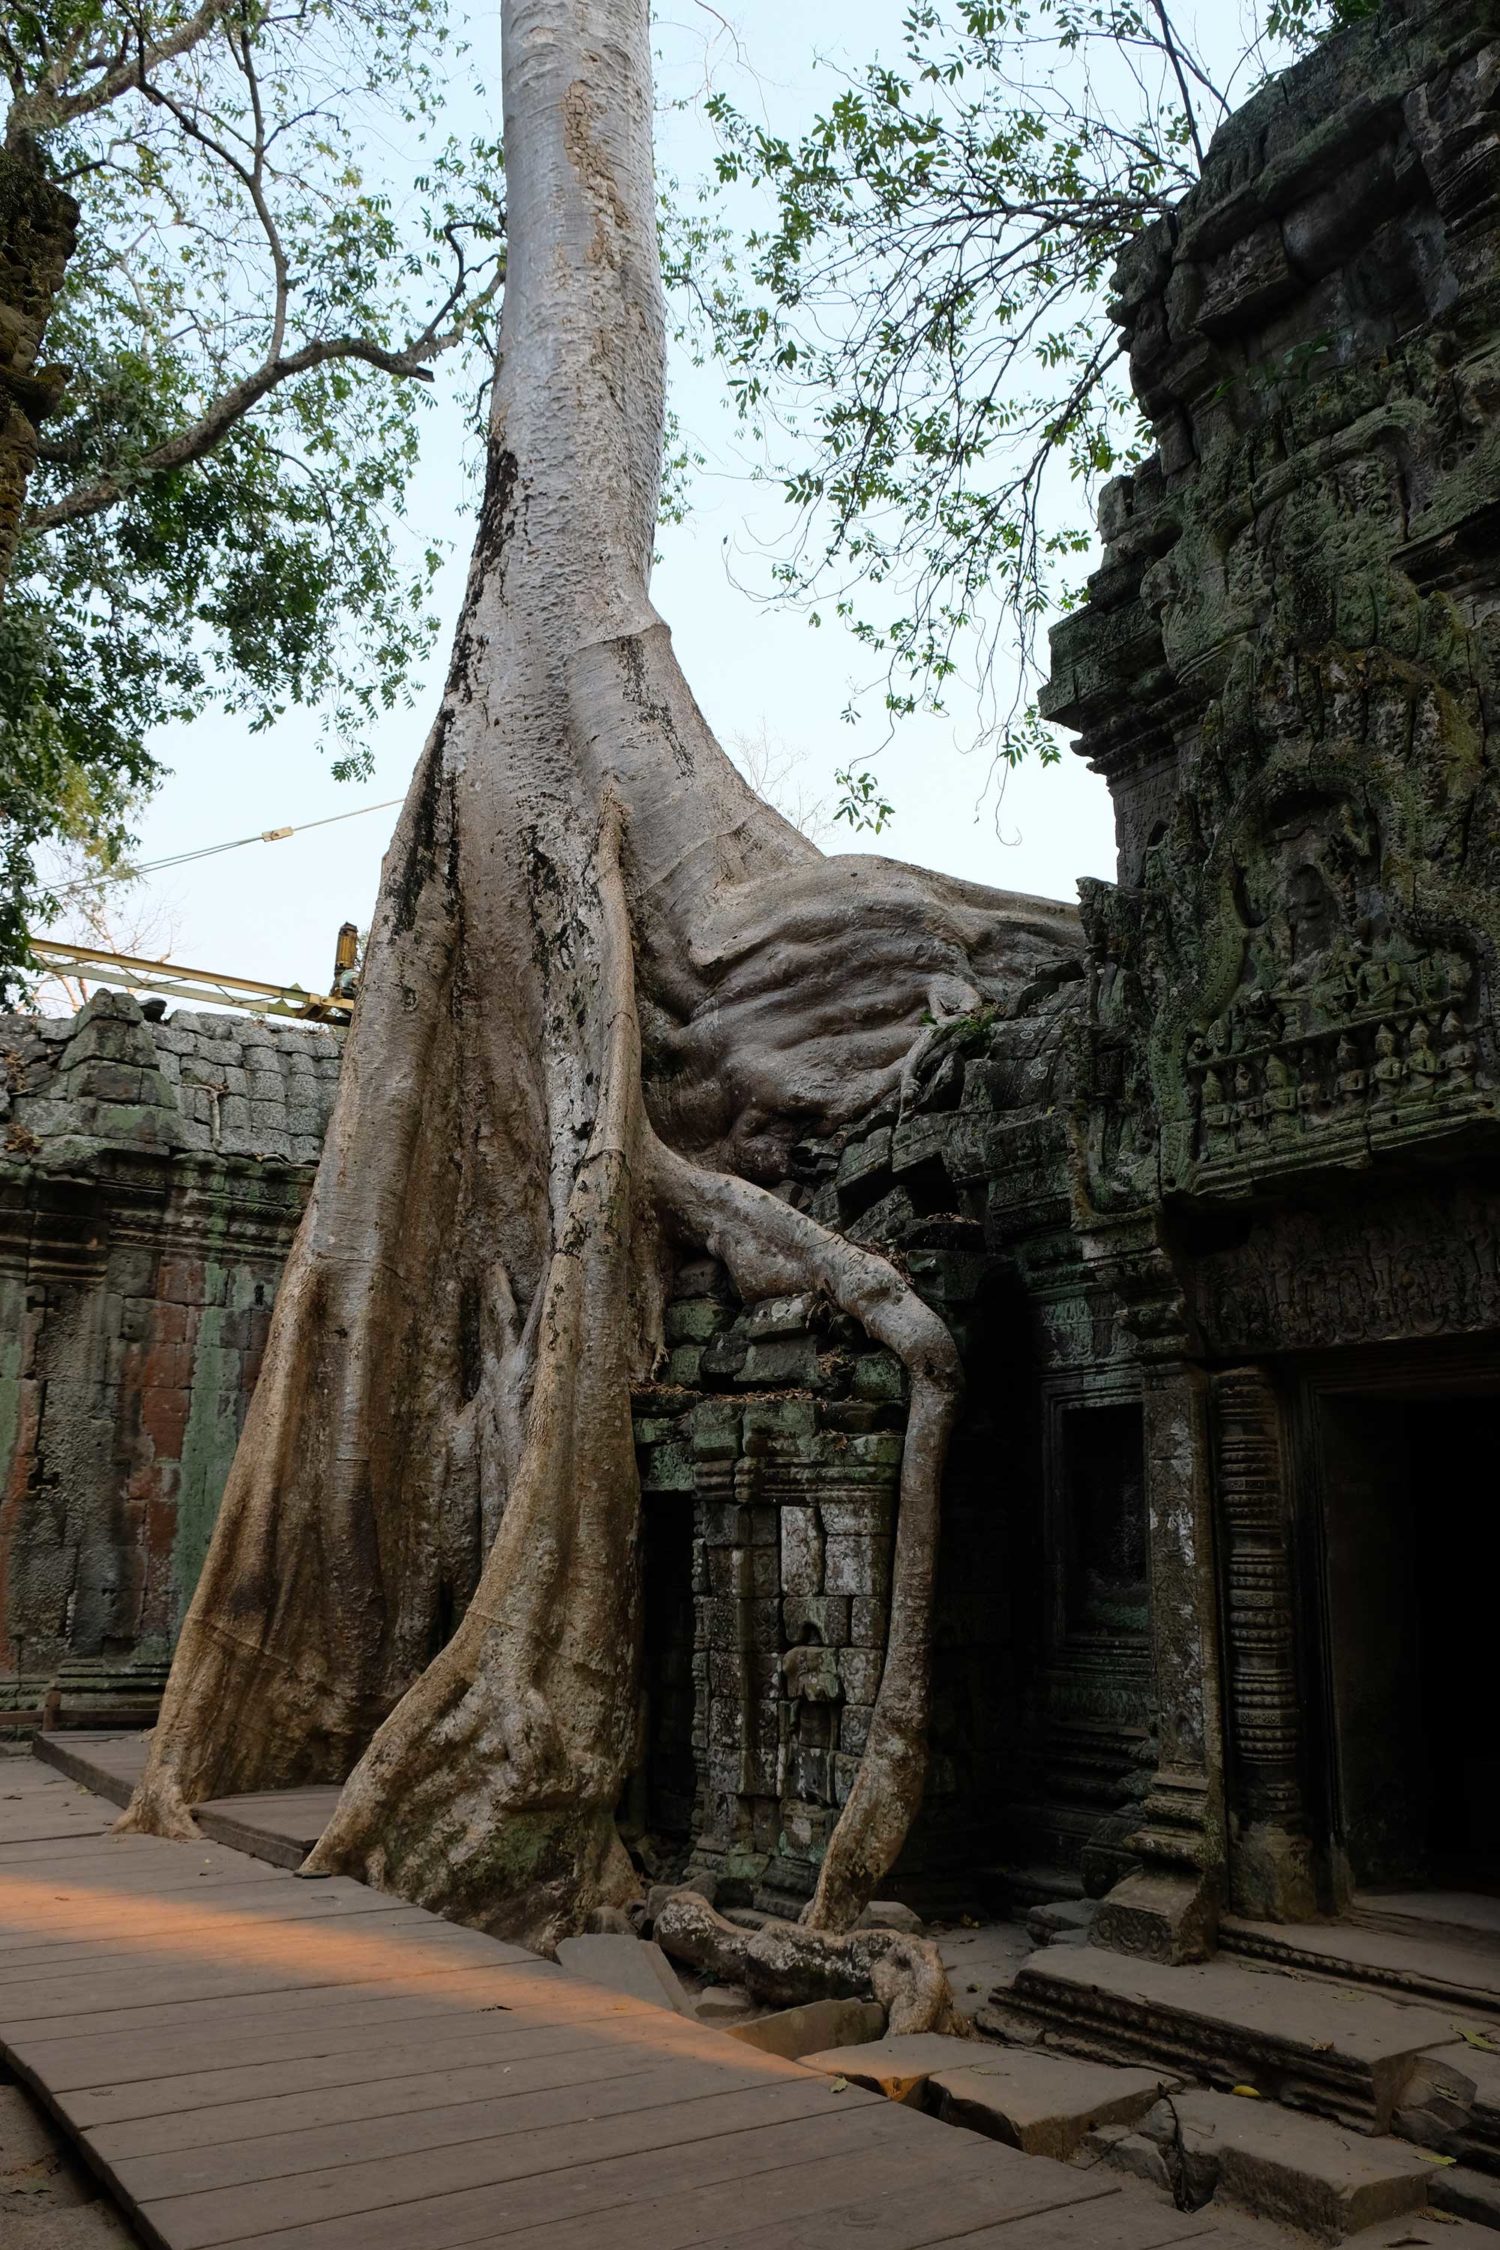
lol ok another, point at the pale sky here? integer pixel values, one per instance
(272, 910)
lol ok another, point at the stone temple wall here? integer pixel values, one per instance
(1286, 1094)
(151, 1177)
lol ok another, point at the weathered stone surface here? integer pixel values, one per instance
(1451, 2101)
(1303, 2171)
(818, 2026)
(634, 1966)
(898, 2068)
(140, 1247)
(1471, 2195)
(1349, 2053)
(1135, 2154)
(889, 1913)
(723, 2005)
(1058, 1917)
(1042, 2103)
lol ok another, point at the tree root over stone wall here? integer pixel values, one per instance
(606, 989)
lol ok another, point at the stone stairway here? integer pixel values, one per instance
(1445, 1964)
(1305, 2042)
(1295, 2035)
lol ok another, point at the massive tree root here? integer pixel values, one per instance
(785, 1965)
(606, 989)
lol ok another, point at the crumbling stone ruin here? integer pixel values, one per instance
(1209, 1202)
(151, 1178)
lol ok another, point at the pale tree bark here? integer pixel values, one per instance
(606, 988)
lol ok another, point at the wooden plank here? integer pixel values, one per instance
(97, 2052)
(22, 1782)
(45, 1824)
(527, 2064)
(73, 1936)
(1116, 2222)
(617, 2087)
(322, 1945)
(896, 2197)
(744, 2133)
(110, 1764)
(284, 1811)
(128, 1851)
(446, 1950)
(413, 2055)
(254, 2060)
(21, 1776)
(43, 1914)
(281, 1827)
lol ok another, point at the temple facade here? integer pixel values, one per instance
(1211, 1202)
(1214, 1206)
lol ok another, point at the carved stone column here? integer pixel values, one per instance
(1169, 1911)
(1270, 1851)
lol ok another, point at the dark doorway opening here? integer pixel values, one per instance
(1104, 1519)
(1412, 1530)
(671, 1776)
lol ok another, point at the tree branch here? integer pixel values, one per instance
(1169, 43)
(214, 425)
(45, 111)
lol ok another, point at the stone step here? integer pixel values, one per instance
(1452, 2103)
(1301, 2171)
(1420, 1961)
(1040, 2103)
(1309, 2044)
(1450, 1914)
(898, 2067)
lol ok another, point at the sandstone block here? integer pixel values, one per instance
(856, 1565)
(1043, 2103)
(818, 2032)
(634, 1966)
(801, 1551)
(898, 2068)
(723, 2005)
(1306, 2172)
(891, 1914)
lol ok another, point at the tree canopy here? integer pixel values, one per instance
(919, 329)
(277, 236)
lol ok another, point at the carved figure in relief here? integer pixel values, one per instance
(1459, 1054)
(1311, 1098)
(1351, 1072)
(1336, 1004)
(1422, 1063)
(814, 1692)
(1389, 1069)
(1281, 1095)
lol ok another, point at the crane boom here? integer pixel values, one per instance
(202, 985)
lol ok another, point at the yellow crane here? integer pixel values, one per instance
(209, 986)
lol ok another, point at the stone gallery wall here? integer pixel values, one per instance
(770, 1454)
(151, 1177)
(1284, 1112)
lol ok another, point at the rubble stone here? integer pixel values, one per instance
(635, 1966)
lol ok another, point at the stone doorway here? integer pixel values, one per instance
(666, 1789)
(1411, 1574)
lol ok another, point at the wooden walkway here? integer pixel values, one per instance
(248, 2058)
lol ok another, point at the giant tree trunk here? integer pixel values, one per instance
(605, 988)
(38, 227)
